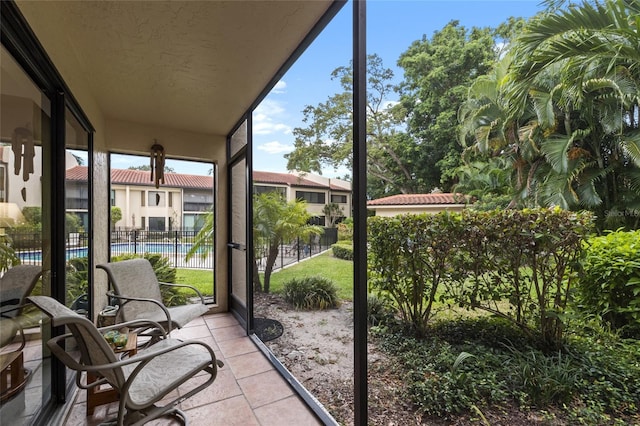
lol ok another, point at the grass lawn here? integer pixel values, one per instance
(337, 270)
(199, 278)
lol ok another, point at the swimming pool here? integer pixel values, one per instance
(167, 249)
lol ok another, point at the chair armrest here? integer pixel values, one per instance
(185, 286)
(143, 358)
(126, 299)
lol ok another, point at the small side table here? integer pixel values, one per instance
(99, 395)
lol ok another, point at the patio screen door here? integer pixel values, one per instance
(239, 207)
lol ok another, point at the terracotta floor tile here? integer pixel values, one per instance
(264, 388)
(249, 364)
(224, 387)
(290, 411)
(228, 333)
(229, 412)
(195, 322)
(220, 320)
(236, 347)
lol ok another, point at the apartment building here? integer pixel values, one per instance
(183, 200)
(316, 190)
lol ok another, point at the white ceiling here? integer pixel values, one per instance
(190, 65)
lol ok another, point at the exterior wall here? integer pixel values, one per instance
(316, 209)
(129, 199)
(130, 138)
(390, 211)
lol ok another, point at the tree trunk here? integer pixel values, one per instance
(257, 285)
(271, 260)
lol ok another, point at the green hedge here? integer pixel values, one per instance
(516, 264)
(343, 250)
(610, 281)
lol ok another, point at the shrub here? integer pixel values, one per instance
(343, 250)
(311, 293)
(77, 278)
(517, 264)
(610, 280)
(409, 258)
(481, 362)
(345, 230)
(379, 310)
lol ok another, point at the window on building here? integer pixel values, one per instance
(193, 222)
(171, 199)
(76, 195)
(197, 200)
(142, 200)
(311, 197)
(339, 199)
(143, 222)
(156, 224)
(156, 199)
(262, 189)
(317, 220)
(3, 183)
(113, 197)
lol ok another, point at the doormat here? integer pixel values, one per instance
(267, 329)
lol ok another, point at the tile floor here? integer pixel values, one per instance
(248, 390)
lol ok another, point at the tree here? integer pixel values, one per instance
(73, 223)
(571, 98)
(203, 241)
(438, 72)
(276, 222)
(327, 140)
(116, 215)
(332, 212)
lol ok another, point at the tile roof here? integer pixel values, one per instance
(418, 199)
(141, 177)
(284, 179)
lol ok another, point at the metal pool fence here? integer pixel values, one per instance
(173, 245)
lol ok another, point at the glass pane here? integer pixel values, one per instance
(239, 139)
(25, 150)
(239, 233)
(174, 220)
(77, 213)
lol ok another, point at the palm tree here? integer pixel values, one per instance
(566, 112)
(276, 222)
(585, 58)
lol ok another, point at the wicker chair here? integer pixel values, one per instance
(142, 380)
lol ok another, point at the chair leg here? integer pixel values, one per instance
(138, 418)
(13, 377)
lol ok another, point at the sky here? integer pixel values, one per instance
(392, 25)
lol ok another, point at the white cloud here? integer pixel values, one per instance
(269, 118)
(280, 87)
(389, 104)
(275, 147)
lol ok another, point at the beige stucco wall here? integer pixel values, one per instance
(129, 199)
(390, 211)
(125, 137)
